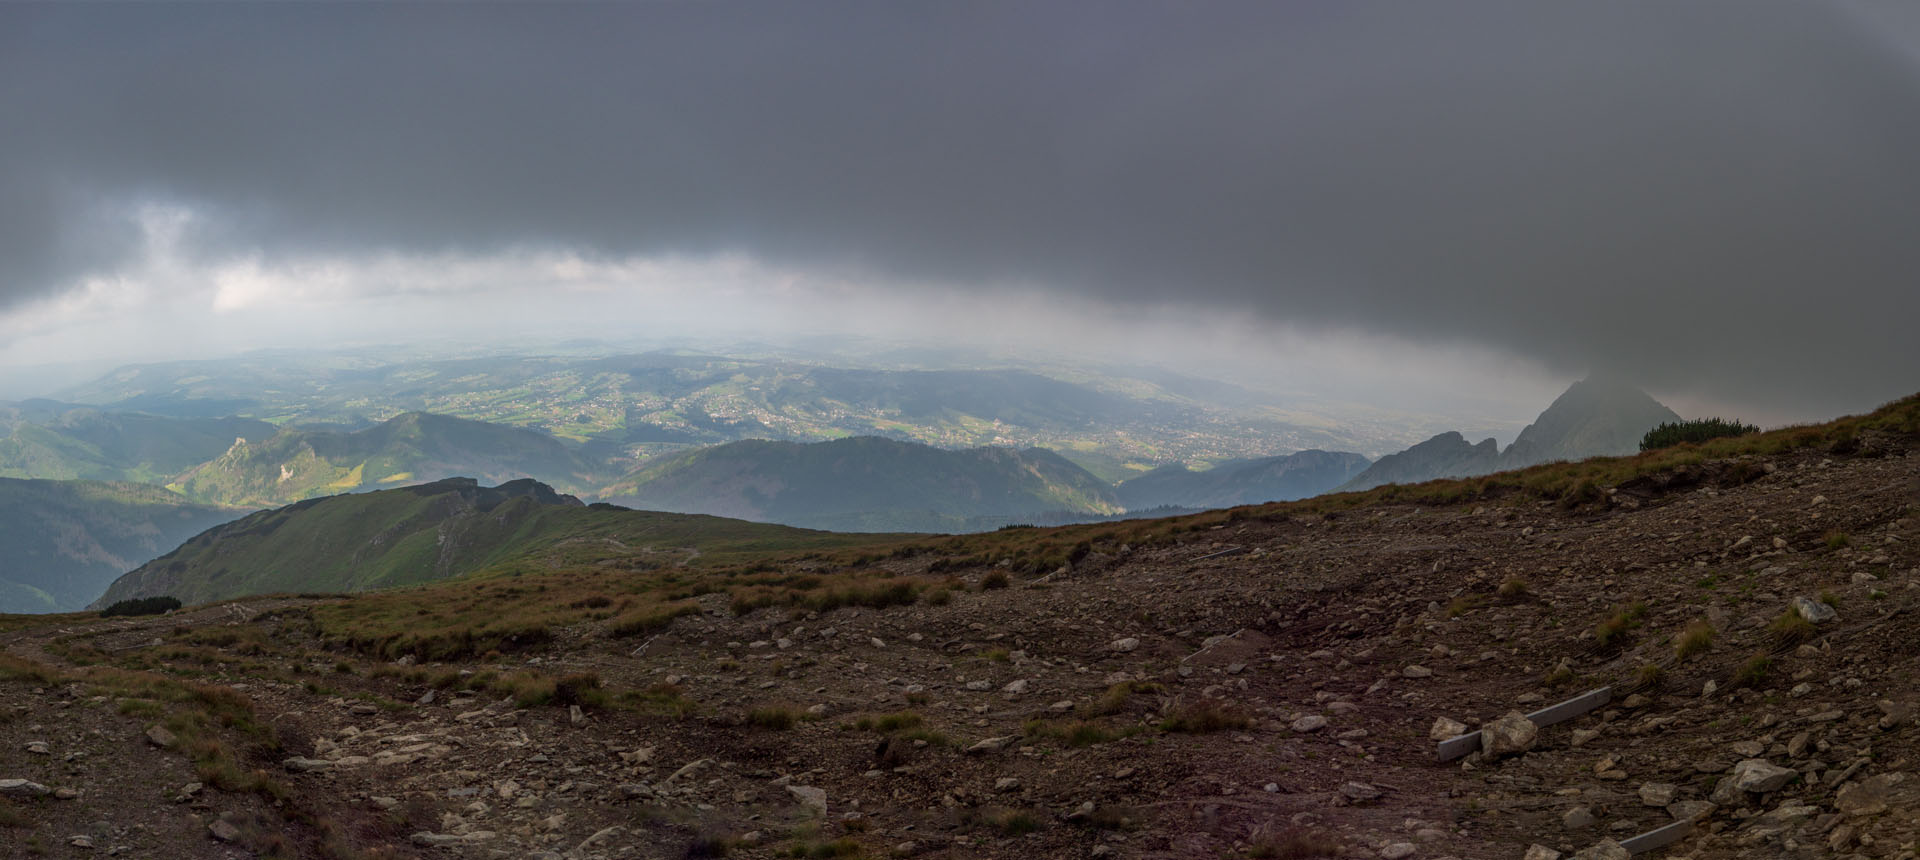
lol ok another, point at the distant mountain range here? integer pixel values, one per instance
(61, 542)
(1595, 417)
(50, 439)
(867, 484)
(435, 531)
(295, 464)
(1112, 420)
(1242, 482)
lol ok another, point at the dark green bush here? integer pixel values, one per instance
(1672, 433)
(142, 606)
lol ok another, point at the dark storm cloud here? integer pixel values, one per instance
(1715, 197)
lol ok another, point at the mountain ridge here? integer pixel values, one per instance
(1595, 417)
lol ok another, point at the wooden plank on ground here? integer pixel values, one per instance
(1658, 837)
(1459, 746)
(1592, 700)
(1589, 701)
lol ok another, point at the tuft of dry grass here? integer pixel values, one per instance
(1694, 640)
(1202, 716)
(1789, 628)
(1751, 673)
(1613, 631)
(1296, 844)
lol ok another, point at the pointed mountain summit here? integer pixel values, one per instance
(1595, 417)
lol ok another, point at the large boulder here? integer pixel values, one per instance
(1758, 776)
(1509, 735)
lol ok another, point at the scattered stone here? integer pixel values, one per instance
(1359, 792)
(1444, 728)
(1813, 610)
(1605, 849)
(1578, 818)
(1016, 688)
(1006, 783)
(810, 797)
(1124, 645)
(160, 737)
(1509, 735)
(433, 840)
(22, 788)
(1536, 851)
(992, 744)
(1690, 810)
(1656, 793)
(1310, 723)
(223, 830)
(81, 841)
(1398, 851)
(1867, 797)
(1757, 776)
(298, 764)
(1416, 671)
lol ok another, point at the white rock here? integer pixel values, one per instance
(1444, 728)
(1511, 734)
(1758, 776)
(810, 797)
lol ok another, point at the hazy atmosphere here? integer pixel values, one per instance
(1469, 202)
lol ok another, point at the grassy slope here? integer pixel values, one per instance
(864, 483)
(412, 448)
(62, 542)
(43, 439)
(421, 534)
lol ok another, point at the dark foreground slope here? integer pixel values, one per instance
(867, 484)
(430, 532)
(1161, 698)
(62, 542)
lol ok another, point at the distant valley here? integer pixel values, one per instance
(62, 542)
(204, 467)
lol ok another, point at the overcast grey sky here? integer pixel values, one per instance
(1720, 200)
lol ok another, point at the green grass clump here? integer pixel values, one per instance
(775, 718)
(1202, 716)
(1296, 844)
(1513, 589)
(580, 688)
(1694, 640)
(1752, 672)
(996, 579)
(651, 620)
(1789, 628)
(1074, 733)
(141, 606)
(890, 722)
(1837, 539)
(1613, 631)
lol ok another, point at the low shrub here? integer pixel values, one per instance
(141, 606)
(1671, 433)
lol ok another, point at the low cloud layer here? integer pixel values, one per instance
(1715, 199)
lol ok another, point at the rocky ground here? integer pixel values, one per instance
(1267, 688)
